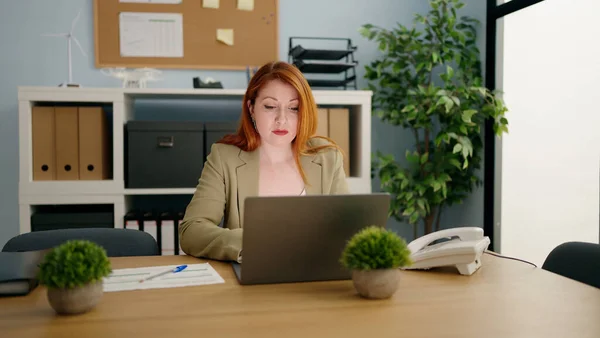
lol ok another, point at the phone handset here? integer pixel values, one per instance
(464, 233)
(463, 252)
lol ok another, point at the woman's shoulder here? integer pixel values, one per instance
(223, 152)
(316, 141)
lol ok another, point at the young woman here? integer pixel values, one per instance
(273, 153)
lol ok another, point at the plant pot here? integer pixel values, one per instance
(76, 300)
(376, 284)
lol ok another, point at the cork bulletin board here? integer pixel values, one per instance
(193, 35)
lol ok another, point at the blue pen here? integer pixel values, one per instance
(175, 270)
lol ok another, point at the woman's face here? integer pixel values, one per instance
(275, 112)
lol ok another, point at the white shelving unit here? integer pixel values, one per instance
(113, 192)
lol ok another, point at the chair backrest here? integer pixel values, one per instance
(116, 242)
(576, 260)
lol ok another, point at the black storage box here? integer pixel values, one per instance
(161, 154)
(69, 217)
(215, 131)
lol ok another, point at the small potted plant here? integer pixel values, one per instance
(375, 256)
(73, 272)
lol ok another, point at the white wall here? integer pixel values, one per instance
(550, 169)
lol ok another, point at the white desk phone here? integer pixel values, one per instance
(463, 250)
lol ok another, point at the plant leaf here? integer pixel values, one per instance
(449, 72)
(448, 103)
(468, 114)
(455, 163)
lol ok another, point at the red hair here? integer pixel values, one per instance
(248, 139)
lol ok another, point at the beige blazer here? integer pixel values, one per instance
(229, 176)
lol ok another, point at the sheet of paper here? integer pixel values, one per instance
(151, 34)
(129, 279)
(225, 36)
(154, 1)
(245, 5)
(210, 3)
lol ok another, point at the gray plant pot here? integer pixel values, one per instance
(77, 300)
(376, 284)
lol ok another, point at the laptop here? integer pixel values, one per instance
(301, 238)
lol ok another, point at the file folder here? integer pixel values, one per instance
(179, 218)
(133, 221)
(150, 225)
(67, 143)
(339, 131)
(167, 233)
(323, 122)
(93, 144)
(43, 143)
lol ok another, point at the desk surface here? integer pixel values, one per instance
(504, 298)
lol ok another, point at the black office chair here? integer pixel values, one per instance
(116, 242)
(576, 260)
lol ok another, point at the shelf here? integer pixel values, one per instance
(323, 67)
(299, 52)
(330, 83)
(123, 106)
(161, 191)
(176, 93)
(53, 188)
(70, 199)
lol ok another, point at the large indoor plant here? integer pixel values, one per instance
(73, 272)
(374, 256)
(428, 80)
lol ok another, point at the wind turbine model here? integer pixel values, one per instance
(70, 37)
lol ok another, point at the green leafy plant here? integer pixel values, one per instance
(375, 248)
(428, 81)
(74, 263)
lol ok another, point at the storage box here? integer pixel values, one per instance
(215, 131)
(69, 217)
(161, 154)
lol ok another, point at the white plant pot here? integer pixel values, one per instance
(376, 284)
(76, 300)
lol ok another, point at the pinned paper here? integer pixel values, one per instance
(151, 34)
(210, 3)
(245, 5)
(153, 1)
(225, 36)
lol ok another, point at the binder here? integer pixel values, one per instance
(150, 225)
(67, 143)
(43, 143)
(179, 219)
(323, 119)
(93, 144)
(132, 220)
(168, 233)
(339, 131)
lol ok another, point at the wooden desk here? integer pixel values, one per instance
(504, 299)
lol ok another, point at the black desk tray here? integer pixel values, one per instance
(324, 67)
(299, 52)
(330, 83)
